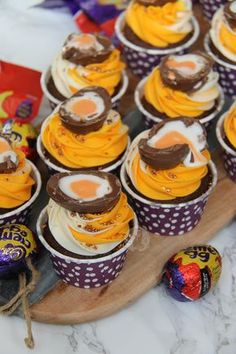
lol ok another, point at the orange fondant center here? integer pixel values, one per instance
(84, 107)
(181, 65)
(174, 138)
(85, 189)
(85, 40)
(4, 146)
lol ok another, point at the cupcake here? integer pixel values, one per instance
(220, 43)
(151, 29)
(85, 60)
(226, 134)
(84, 133)
(87, 227)
(209, 7)
(169, 175)
(20, 184)
(181, 86)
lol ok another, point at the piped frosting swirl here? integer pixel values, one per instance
(170, 160)
(183, 86)
(84, 132)
(87, 60)
(85, 230)
(160, 23)
(223, 31)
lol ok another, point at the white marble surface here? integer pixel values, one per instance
(155, 324)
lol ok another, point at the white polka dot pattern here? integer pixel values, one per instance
(230, 165)
(210, 6)
(89, 275)
(169, 221)
(227, 80)
(18, 218)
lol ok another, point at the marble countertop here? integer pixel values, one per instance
(155, 324)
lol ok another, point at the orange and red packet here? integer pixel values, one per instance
(20, 92)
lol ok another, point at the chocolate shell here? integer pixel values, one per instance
(91, 118)
(230, 14)
(8, 157)
(162, 159)
(171, 156)
(181, 72)
(154, 2)
(97, 49)
(75, 200)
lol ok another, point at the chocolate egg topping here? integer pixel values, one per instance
(83, 49)
(230, 14)
(173, 142)
(8, 157)
(86, 110)
(187, 73)
(85, 192)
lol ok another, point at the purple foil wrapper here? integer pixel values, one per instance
(167, 219)
(54, 102)
(226, 71)
(52, 168)
(21, 214)
(86, 273)
(229, 155)
(141, 61)
(150, 120)
(98, 12)
(209, 7)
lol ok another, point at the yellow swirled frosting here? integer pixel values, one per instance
(16, 187)
(160, 26)
(176, 103)
(223, 36)
(94, 149)
(230, 125)
(69, 77)
(89, 234)
(168, 183)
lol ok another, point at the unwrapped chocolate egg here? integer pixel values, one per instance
(192, 272)
(17, 243)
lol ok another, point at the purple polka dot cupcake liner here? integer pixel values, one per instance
(140, 60)
(52, 168)
(21, 214)
(168, 219)
(150, 120)
(87, 273)
(54, 102)
(229, 155)
(209, 7)
(226, 71)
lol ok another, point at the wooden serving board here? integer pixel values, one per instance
(142, 271)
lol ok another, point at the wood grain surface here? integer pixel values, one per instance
(68, 305)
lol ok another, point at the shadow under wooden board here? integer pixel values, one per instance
(142, 271)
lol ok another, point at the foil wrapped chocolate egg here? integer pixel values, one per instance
(192, 272)
(85, 191)
(17, 243)
(85, 111)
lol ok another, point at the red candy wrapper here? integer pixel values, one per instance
(97, 15)
(20, 92)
